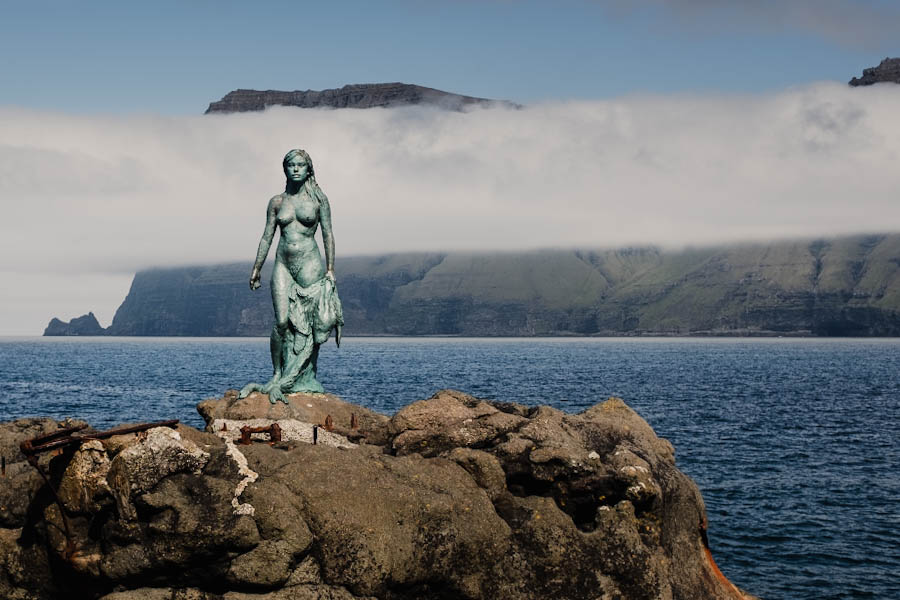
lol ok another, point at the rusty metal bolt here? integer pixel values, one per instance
(354, 422)
(329, 423)
(245, 435)
(275, 432)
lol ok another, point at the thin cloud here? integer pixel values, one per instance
(104, 196)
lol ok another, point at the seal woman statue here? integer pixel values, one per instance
(304, 294)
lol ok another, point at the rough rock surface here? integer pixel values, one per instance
(887, 71)
(309, 408)
(83, 325)
(459, 498)
(291, 430)
(363, 95)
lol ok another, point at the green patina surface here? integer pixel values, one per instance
(304, 292)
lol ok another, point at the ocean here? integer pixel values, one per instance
(793, 442)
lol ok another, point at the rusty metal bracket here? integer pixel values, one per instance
(274, 431)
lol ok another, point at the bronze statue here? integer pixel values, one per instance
(304, 293)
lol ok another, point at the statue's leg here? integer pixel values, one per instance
(276, 347)
(275, 342)
(280, 286)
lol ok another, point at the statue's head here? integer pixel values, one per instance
(293, 165)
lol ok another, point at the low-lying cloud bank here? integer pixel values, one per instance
(104, 196)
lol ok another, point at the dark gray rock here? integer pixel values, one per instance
(887, 71)
(83, 325)
(463, 499)
(363, 95)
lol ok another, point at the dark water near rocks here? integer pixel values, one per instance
(793, 443)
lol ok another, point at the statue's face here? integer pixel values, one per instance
(296, 169)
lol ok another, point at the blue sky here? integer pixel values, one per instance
(175, 57)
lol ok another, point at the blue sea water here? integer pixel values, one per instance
(793, 442)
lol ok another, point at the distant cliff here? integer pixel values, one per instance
(363, 95)
(887, 71)
(842, 286)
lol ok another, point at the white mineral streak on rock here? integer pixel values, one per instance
(633, 469)
(140, 466)
(249, 476)
(637, 489)
(593, 455)
(291, 430)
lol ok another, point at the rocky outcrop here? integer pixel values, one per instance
(453, 497)
(83, 325)
(364, 95)
(308, 408)
(836, 287)
(887, 71)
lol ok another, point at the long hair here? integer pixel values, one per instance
(310, 185)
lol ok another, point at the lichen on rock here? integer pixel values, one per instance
(453, 497)
(140, 466)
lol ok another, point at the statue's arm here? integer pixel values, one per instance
(266, 241)
(327, 234)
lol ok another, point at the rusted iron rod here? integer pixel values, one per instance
(28, 445)
(67, 437)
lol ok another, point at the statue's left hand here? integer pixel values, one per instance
(330, 276)
(254, 279)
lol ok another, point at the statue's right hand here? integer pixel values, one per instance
(254, 279)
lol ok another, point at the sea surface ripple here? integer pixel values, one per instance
(793, 442)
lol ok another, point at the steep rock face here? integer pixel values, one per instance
(83, 325)
(199, 301)
(365, 95)
(887, 71)
(453, 497)
(839, 286)
(843, 286)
